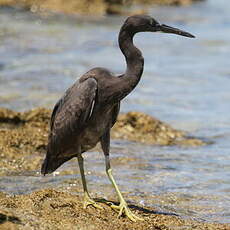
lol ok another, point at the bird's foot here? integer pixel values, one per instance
(124, 209)
(89, 201)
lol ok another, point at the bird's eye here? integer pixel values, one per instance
(153, 22)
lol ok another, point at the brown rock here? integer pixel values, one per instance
(94, 7)
(136, 126)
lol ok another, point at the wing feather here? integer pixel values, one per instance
(69, 116)
(74, 109)
(116, 111)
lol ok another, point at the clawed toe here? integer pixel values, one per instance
(89, 201)
(124, 209)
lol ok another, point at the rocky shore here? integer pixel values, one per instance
(23, 139)
(93, 7)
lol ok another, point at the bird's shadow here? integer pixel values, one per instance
(13, 219)
(135, 207)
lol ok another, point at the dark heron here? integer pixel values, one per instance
(89, 108)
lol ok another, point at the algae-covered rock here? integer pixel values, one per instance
(23, 139)
(167, 2)
(143, 128)
(86, 6)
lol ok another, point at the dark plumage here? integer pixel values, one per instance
(88, 110)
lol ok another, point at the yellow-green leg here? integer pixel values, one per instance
(122, 207)
(87, 199)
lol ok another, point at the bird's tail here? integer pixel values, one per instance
(45, 169)
(52, 162)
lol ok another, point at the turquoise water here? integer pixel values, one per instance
(186, 82)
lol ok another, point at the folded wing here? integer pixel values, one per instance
(68, 119)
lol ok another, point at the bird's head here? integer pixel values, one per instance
(145, 23)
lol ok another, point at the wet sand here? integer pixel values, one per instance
(23, 138)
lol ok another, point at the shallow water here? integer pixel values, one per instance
(185, 83)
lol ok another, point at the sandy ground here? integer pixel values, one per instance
(51, 209)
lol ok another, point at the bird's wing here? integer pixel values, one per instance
(57, 105)
(116, 111)
(70, 114)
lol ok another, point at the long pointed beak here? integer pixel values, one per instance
(168, 29)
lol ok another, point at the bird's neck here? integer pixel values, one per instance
(133, 56)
